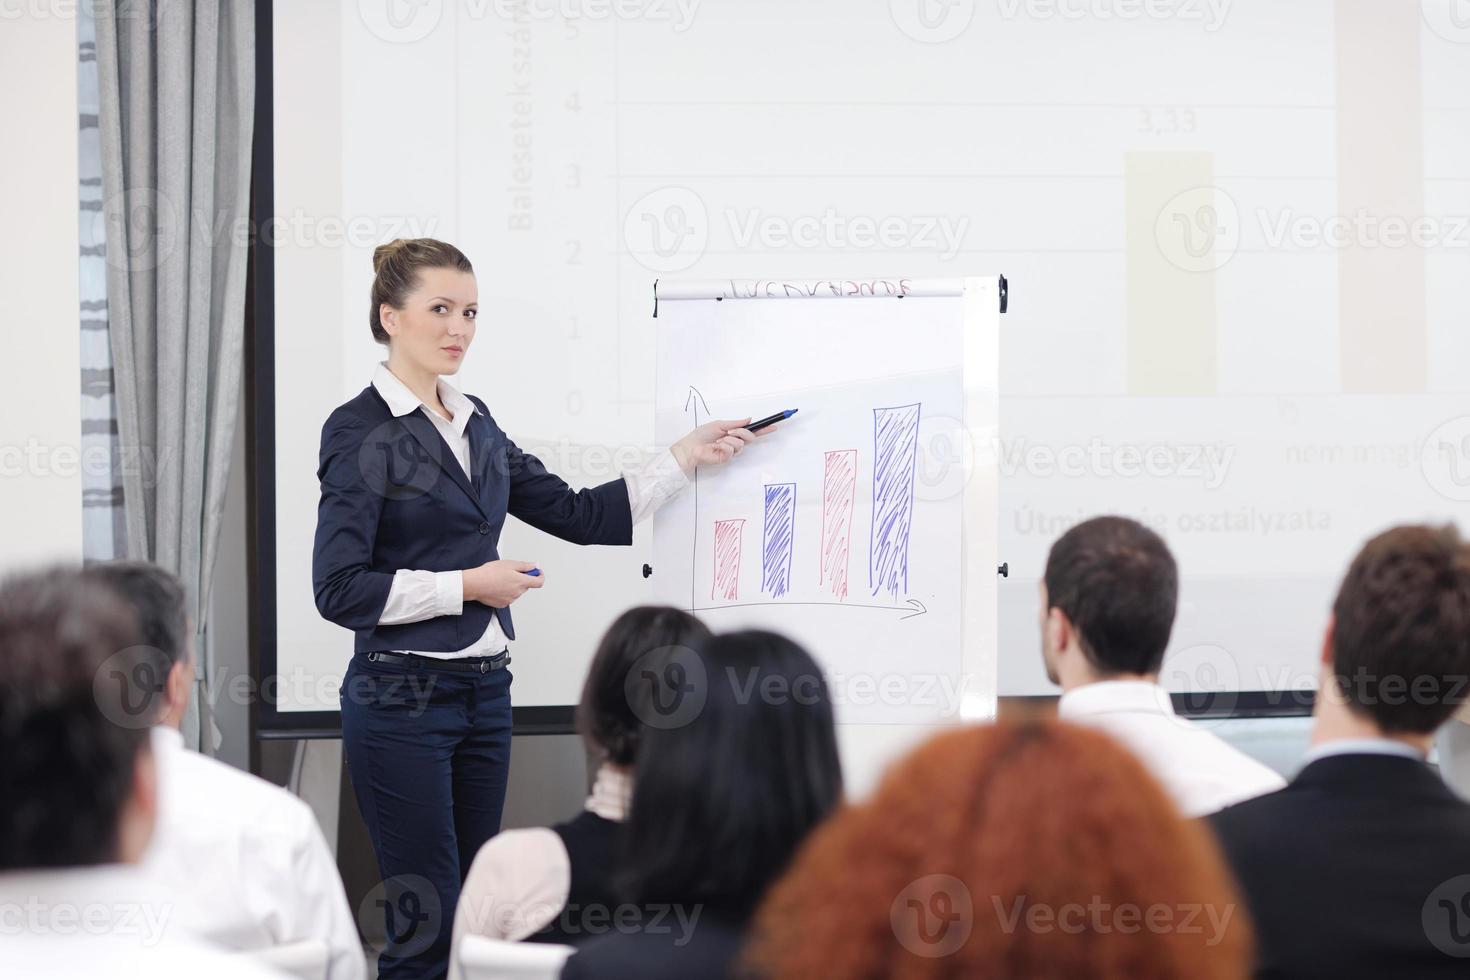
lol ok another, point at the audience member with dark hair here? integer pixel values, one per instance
(246, 856)
(737, 765)
(1361, 867)
(1107, 609)
(1038, 849)
(540, 883)
(78, 794)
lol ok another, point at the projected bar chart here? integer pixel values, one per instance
(1380, 172)
(1173, 227)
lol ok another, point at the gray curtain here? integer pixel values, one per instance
(176, 83)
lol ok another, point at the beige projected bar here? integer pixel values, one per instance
(1172, 227)
(1380, 175)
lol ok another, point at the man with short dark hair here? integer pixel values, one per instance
(78, 796)
(1361, 867)
(1107, 601)
(247, 854)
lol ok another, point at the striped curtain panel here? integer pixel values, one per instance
(104, 533)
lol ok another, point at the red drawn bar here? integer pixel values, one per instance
(839, 492)
(727, 559)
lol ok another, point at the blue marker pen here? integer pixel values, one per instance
(771, 420)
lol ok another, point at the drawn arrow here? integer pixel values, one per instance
(913, 607)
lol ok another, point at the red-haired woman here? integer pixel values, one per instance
(1035, 850)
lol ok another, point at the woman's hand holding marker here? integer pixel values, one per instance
(722, 440)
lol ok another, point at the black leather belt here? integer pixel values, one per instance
(474, 665)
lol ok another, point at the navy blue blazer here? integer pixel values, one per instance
(394, 496)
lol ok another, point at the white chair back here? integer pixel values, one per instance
(305, 960)
(481, 958)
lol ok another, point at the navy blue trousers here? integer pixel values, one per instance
(428, 752)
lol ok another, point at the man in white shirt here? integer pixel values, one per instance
(248, 855)
(78, 798)
(1108, 601)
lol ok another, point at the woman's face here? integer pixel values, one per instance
(433, 329)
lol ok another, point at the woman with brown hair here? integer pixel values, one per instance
(417, 482)
(1032, 850)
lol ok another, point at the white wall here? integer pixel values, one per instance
(40, 416)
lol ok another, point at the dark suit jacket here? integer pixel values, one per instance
(394, 496)
(710, 951)
(1348, 870)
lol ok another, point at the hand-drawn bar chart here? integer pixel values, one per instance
(841, 527)
(727, 559)
(895, 461)
(777, 539)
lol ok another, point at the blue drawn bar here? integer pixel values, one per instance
(776, 538)
(895, 457)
